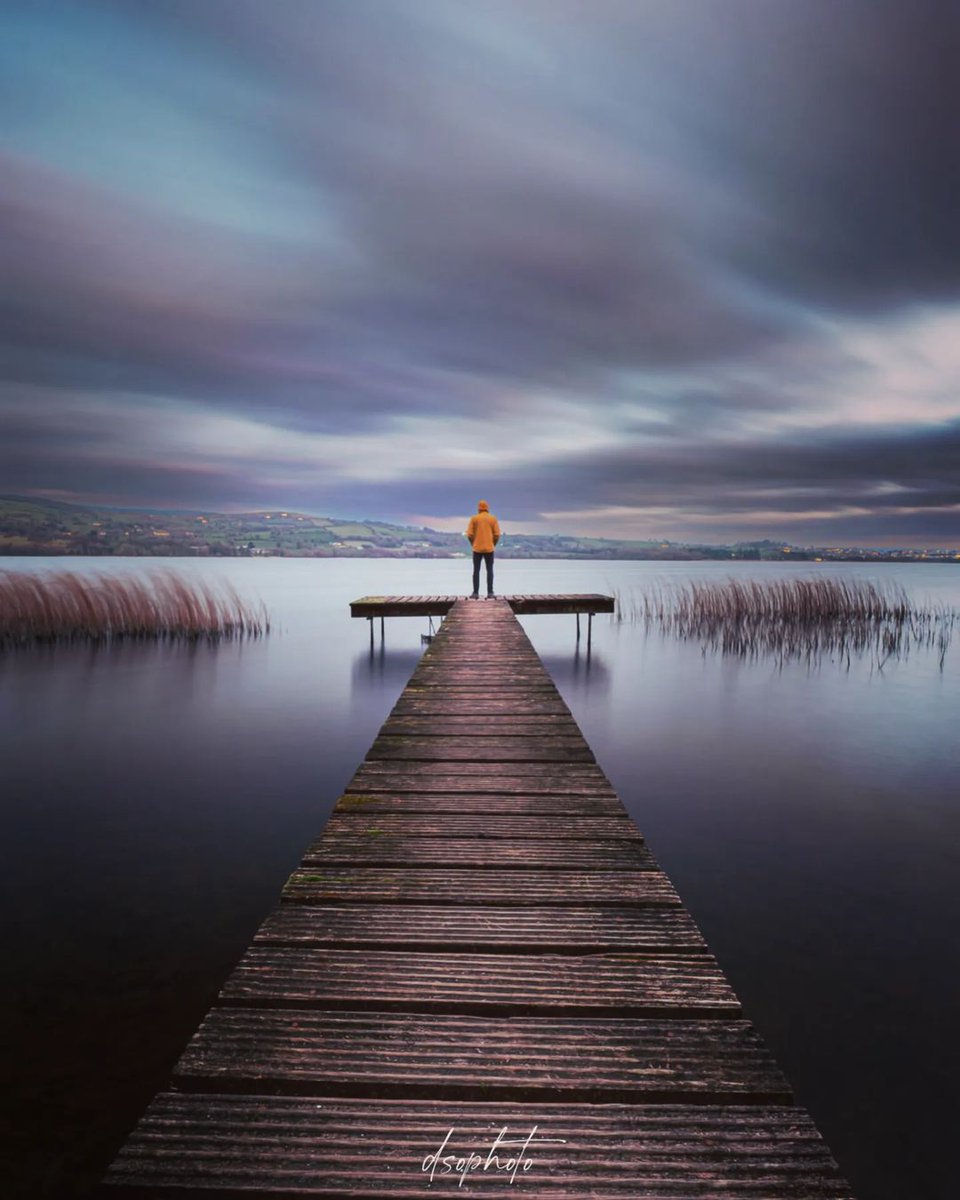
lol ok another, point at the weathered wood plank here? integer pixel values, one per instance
(506, 649)
(384, 849)
(492, 778)
(479, 707)
(379, 1055)
(399, 606)
(587, 772)
(491, 782)
(497, 805)
(511, 667)
(437, 735)
(467, 692)
(479, 886)
(460, 675)
(334, 1148)
(505, 675)
(483, 930)
(447, 749)
(672, 986)
(457, 826)
(456, 647)
(468, 726)
(493, 680)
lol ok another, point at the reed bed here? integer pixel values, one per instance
(805, 619)
(64, 606)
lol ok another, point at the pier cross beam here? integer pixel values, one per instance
(480, 940)
(587, 604)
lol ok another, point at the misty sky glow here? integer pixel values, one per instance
(652, 268)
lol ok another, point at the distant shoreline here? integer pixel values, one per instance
(796, 555)
(32, 528)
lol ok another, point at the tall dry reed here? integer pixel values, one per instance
(64, 606)
(795, 619)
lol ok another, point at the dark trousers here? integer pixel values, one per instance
(488, 559)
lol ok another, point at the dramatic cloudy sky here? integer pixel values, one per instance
(658, 268)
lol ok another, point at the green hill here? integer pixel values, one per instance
(53, 527)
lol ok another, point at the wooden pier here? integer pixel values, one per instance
(439, 606)
(588, 604)
(479, 941)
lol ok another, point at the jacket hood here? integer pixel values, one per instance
(483, 506)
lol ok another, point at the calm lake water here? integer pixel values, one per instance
(155, 799)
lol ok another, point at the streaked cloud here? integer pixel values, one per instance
(665, 270)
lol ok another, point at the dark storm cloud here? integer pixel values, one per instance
(115, 295)
(810, 473)
(884, 475)
(657, 248)
(499, 224)
(813, 143)
(841, 120)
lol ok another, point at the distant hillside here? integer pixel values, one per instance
(51, 527)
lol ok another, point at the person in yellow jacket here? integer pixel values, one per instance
(483, 533)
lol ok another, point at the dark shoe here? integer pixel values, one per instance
(491, 596)
(475, 596)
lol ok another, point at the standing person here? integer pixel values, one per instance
(483, 533)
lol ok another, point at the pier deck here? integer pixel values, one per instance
(480, 939)
(439, 606)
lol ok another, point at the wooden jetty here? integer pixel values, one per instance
(478, 950)
(439, 606)
(589, 604)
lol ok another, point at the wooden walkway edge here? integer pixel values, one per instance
(478, 979)
(438, 606)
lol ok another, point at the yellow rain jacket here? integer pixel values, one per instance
(483, 530)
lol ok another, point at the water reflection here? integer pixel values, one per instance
(380, 667)
(59, 695)
(583, 669)
(156, 796)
